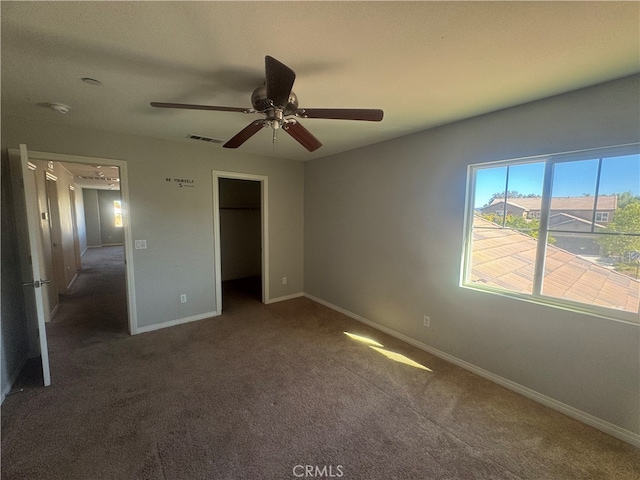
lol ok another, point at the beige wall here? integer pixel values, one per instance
(384, 233)
(178, 222)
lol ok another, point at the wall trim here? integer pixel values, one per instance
(179, 321)
(285, 297)
(584, 417)
(12, 379)
(73, 280)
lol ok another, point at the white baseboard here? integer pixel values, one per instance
(173, 323)
(598, 423)
(73, 280)
(283, 298)
(12, 380)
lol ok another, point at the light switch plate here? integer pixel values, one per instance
(141, 244)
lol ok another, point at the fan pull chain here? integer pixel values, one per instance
(274, 142)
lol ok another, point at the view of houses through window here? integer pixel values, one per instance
(564, 230)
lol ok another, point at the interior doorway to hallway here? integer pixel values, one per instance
(85, 206)
(44, 191)
(93, 196)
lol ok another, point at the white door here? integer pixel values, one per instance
(30, 242)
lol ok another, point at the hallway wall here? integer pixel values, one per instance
(92, 217)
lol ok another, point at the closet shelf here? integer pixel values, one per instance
(239, 207)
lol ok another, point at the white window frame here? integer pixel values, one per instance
(537, 296)
(602, 216)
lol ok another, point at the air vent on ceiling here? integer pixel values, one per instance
(204, 139)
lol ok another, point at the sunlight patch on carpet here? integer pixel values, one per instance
(360, 338)
(398, 357)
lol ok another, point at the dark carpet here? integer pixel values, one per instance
(275, 392)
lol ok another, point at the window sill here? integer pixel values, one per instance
(620, 316)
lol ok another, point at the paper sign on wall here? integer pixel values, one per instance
(181, 182)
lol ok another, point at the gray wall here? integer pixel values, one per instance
(92, 217)
(99, 219)
(383, 239)
(177, 223)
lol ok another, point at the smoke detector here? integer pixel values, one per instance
(60, 108)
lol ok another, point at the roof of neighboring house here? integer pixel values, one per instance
(605, 202)
(564, 218)
(505, 259)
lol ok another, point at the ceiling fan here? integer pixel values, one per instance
(277, 101)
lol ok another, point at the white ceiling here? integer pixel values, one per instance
(424, 63)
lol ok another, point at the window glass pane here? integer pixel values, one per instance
(503, 244)
(501, 257)
(525, 197)
(573, 195)
(489, 191)
(578, 268)
(618, 204)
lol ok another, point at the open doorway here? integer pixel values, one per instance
(89, 230)
(94, 307)
(46, 200)
(240, 224)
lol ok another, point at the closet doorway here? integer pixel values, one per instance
(240, 226)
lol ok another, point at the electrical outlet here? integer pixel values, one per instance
(284, 280)
(426, 321)
(183, 298)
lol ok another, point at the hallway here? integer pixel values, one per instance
(95, 310)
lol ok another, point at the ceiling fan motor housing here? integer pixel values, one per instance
(262, 103)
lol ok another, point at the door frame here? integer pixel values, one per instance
(126, 217)
(264, 216)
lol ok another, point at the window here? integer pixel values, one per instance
(558, 254)
(117, 213)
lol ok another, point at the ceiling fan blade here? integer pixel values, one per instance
(245, 134)
(302, 135)
(280, 80)
(366, 114)
(200, 107)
